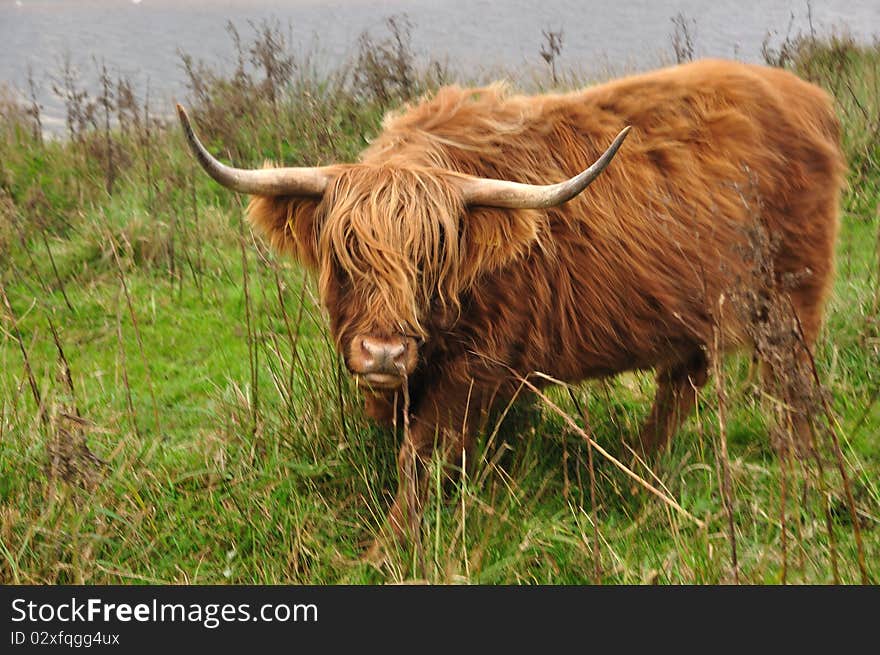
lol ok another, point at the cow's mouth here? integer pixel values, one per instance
(382, 380)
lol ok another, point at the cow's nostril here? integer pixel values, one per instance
(374, 348)
(395, 351)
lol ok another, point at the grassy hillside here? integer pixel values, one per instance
(172, 409)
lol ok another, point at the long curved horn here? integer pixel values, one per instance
(513, 195)
(268, 182)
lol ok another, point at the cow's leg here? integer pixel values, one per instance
(677, 388)
(413, 459)
(443, 425)
(788, 378)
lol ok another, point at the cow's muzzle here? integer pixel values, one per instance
(382, 362)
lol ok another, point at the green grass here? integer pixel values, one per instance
(233, 450)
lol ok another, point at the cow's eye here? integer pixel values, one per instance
(404, 332)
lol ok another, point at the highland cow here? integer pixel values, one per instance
(452, 267)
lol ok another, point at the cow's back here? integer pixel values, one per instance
(631, 267)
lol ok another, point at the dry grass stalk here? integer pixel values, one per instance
(616, 462)
(250, 330)
(724, 458)
(16, 334)
(58, 279)
(120, 343)
(113, 246)
(594, 516)
(838, 454)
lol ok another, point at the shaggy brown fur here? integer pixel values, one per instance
(623, 277)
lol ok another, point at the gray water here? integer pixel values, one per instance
(141, 38)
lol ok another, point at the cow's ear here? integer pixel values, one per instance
(493, 238)
(290, 224)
